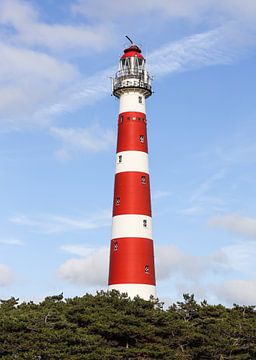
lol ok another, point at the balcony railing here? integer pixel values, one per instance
(135, 78)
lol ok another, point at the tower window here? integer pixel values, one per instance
(142, 139)
(145, 223)
(120, 158)
(146, 269)
(121, 119)
(134, 118)
(118, 201)
(143, 180)
(140, 99)
(115, 246)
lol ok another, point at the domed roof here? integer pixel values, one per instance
(133, 50)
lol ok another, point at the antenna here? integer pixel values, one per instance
(129, 39)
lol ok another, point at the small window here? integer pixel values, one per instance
(120, 158)
(145, 223)
(143, 180)
(118, 201)
(115, 246)
(121, 119)
(146, 269)
(128, 117)
(134, 118)
(142, 139)
(140, 99)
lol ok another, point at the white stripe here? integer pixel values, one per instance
(129, 101)
(131, 225)
(132, 161)
(143, 290)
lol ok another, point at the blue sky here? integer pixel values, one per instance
(57, 144)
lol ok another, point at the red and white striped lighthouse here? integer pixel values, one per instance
(131, 267)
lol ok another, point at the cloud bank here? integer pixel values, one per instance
(88, 267)
(238, 292)
(170, 261)
(6, 275)
(237, 224)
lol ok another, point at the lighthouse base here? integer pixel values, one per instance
(144, 291)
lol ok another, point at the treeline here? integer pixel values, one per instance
(111, 326)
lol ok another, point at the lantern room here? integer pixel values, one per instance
(132, 59)
(131, 73)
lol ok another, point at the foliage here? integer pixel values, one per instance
(111, 326)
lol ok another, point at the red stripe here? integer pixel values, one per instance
(132, 194)
(131, 127)
(129, 258)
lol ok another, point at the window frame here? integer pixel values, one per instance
(146, 269)
(142, 139)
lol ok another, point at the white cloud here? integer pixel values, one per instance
(84, 91)
(28, 80)
(241, 257)
(245, 226)
(91, 270)
(171, 261)
(186, 272)
(93, 139)
(241, 292)
(214, 47)
(36, 86)
(6, 275)
(19, 63)
(11, 241)
(196, 10)
(17, 13)
(53, 224)
(66, 37)
(29, 30)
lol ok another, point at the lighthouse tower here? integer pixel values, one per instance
(131, 267)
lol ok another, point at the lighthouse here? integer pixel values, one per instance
(131, 268)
